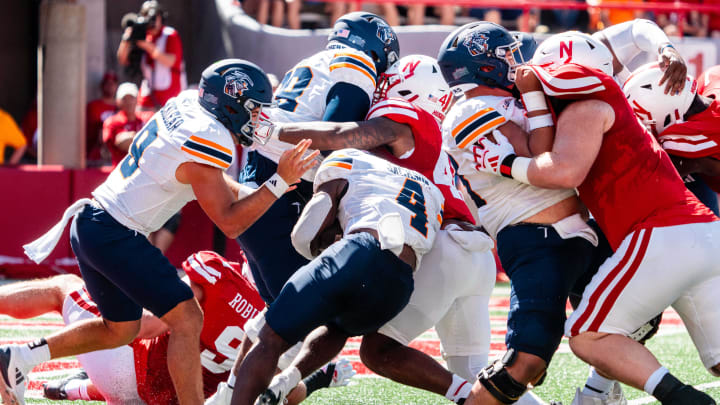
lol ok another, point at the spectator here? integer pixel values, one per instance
(162, 65)
(97, 111)
(119, 130)
(10, 136)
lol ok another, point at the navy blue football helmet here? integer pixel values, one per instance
(234, 91)
(480, 53)
(528, 45)
(369, 33)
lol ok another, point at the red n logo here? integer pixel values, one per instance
(566, 47)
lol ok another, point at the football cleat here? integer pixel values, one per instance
(14, 376)
(269, 397)
(614, 397)
(56, 389)
(222, 396)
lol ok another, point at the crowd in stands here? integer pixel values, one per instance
(297, 14)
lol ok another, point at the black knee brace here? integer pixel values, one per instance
(499, 382)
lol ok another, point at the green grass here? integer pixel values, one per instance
(674, 350)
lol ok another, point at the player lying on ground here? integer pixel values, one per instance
(138, 373)
(389, 217)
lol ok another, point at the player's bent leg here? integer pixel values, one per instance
(258, 367)
(28, 299)
(183, 352)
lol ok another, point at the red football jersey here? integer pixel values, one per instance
(228, 301)
(709, 83)
(427, 157)
(632, 184)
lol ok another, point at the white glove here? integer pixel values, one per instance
(344, 371)
(488, 156)
(265, 129)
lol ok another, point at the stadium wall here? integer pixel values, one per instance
(277, 49)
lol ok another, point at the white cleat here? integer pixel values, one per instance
(14, 377)
(615, 397)
(222, 396)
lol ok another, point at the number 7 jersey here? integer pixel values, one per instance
(378, 189)
(142, 192)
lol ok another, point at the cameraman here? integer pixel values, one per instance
(161, 63)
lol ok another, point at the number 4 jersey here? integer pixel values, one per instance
(228, 301)
(142, 192)
(378, 190)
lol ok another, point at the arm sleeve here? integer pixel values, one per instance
(569, 81)
(336, 166)
(630, 38)
(472, 124)
(346, 102)
(215, 151)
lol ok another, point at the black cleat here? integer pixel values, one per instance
(269, 398)
(686, 395)
(55, 390)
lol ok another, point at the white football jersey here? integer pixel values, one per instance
(302, 95)
(376, 188)
(142, 192)
(501, 201)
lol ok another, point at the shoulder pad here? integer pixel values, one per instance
(336, 166)
(393, 108)
(569, 80)
(206, 267)
(470, 121)
(354, 67)
(214, 149)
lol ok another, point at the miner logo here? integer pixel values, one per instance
(476, 43)
(236, 82)
(385, 33)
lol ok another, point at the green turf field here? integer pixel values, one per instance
(672, 345)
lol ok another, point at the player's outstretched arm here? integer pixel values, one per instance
(219, 201)
(363, 135)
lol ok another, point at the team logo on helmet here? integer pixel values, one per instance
(476, 43)
(236, 82)
(385, 33)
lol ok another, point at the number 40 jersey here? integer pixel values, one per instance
(142, 192)
(378, 189)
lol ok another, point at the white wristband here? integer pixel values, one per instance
(541, 121)
(519, 169)
(534, 101)
(276, 185)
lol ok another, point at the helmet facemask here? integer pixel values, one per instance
(247, 131)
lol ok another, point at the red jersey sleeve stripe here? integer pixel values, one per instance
(566, 84)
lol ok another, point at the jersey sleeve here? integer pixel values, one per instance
(691, 145)
(211, 148)
(354, 67)
(336, 166)
(473, 121)
(395, 109)
(207, 268)
(174, 46)
(570, 81)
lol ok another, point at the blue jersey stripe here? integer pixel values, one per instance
(209, 151)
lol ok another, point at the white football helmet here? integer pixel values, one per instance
(574, 47)
(417, 79)
(652, 106)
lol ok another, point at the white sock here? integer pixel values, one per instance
(231, 380)
(34, 353)
(597, 385)
(293, 377)
(459, 389)
(77, 389)
(655, 379)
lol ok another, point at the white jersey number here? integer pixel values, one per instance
(223, 361)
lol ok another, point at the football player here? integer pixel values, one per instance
(335, 84)
(454, 283)
(544, 241)
(180, 155)
(642, 219)
(389, 217)
(138, 373)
